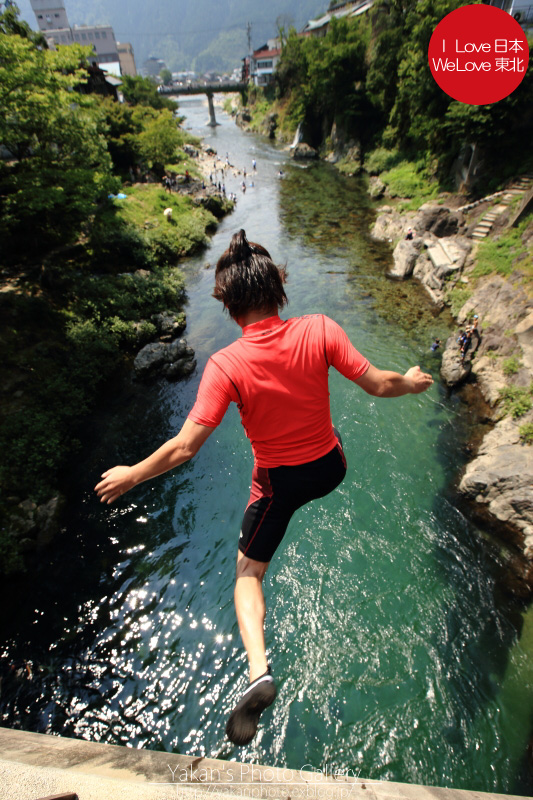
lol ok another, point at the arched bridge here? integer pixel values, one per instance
(208, 89)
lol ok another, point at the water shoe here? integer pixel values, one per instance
(244, 719)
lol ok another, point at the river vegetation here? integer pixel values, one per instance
(83, 271)
(369, 78)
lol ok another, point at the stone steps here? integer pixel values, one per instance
(516, 189)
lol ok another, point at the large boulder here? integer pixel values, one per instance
(35, 526)
(437, 219)
(169, 325)
(243, 118)
(303, 151)
(389, 224)
(454, 371)
(47, 517)
(172, 361)
(270, 124)
(500, 477)
(376, 187)
(405, 255)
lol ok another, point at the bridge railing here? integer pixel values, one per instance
(202, 88)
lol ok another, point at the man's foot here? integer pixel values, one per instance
(244, 719)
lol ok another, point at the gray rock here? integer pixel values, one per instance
(405, 255)
(524, 332)
(169, 324)
(353, 152)
(496, 343)
(500, 477)
(179, 368)
(170, 360)
(27, 506)
(389, 224)
(48, 516)
(452, 370)
(376, 187)
(437, 219)
(270, 124)
(303, 151)
(243, 117)
(190, 150)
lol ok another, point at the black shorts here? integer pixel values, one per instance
(278, 493)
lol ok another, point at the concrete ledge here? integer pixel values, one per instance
(34, 765)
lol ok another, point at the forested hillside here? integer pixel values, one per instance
(88, 263)
(197, 34)
(370, 78)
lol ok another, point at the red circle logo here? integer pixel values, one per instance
(478, 54)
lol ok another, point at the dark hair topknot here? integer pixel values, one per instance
(246, 278)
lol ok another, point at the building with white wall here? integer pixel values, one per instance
(53, 21)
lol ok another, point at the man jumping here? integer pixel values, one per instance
(277, 374)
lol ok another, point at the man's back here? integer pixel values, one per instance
(277, 373)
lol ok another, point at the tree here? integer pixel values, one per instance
(284, 23)
(60, 165)
(159, 137)
(166, 76)
(140, 91)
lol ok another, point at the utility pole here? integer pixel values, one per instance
(249, 36)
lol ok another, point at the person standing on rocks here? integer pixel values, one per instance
(277, 374)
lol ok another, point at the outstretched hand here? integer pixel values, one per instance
(116, 481)
(420, 381)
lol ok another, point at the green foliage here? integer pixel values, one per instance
(166, 76)
(140, 91)
(410, 181)
(371, 75)
(159, 138)
(516, 400)
(169, 242)
(61, 165)
(324, 78)
(11, 24)
(505, 254)
(380, 160)
(118, 246)
(10, 557)
(457, 297)
(526, 432)
(512, 365)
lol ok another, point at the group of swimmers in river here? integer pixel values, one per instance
(467, 339)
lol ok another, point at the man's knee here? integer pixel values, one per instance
(249, 568)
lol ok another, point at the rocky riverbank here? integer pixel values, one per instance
(443, 257)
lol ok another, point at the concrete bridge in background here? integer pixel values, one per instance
(208, 89)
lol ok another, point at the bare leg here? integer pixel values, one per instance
(250, 608)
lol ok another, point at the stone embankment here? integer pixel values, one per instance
(441, 255)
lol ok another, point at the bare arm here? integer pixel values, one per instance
(176, 451)
(383, 383)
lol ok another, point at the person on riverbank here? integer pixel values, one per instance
(277, 374)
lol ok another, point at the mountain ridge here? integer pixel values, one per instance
(189, 34)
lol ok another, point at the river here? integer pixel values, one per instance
(397, 656)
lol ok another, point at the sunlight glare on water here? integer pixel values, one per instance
(394, 654)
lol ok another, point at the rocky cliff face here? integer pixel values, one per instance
(500, 477)
(437, 250)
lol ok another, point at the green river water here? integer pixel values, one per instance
(396, 655)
